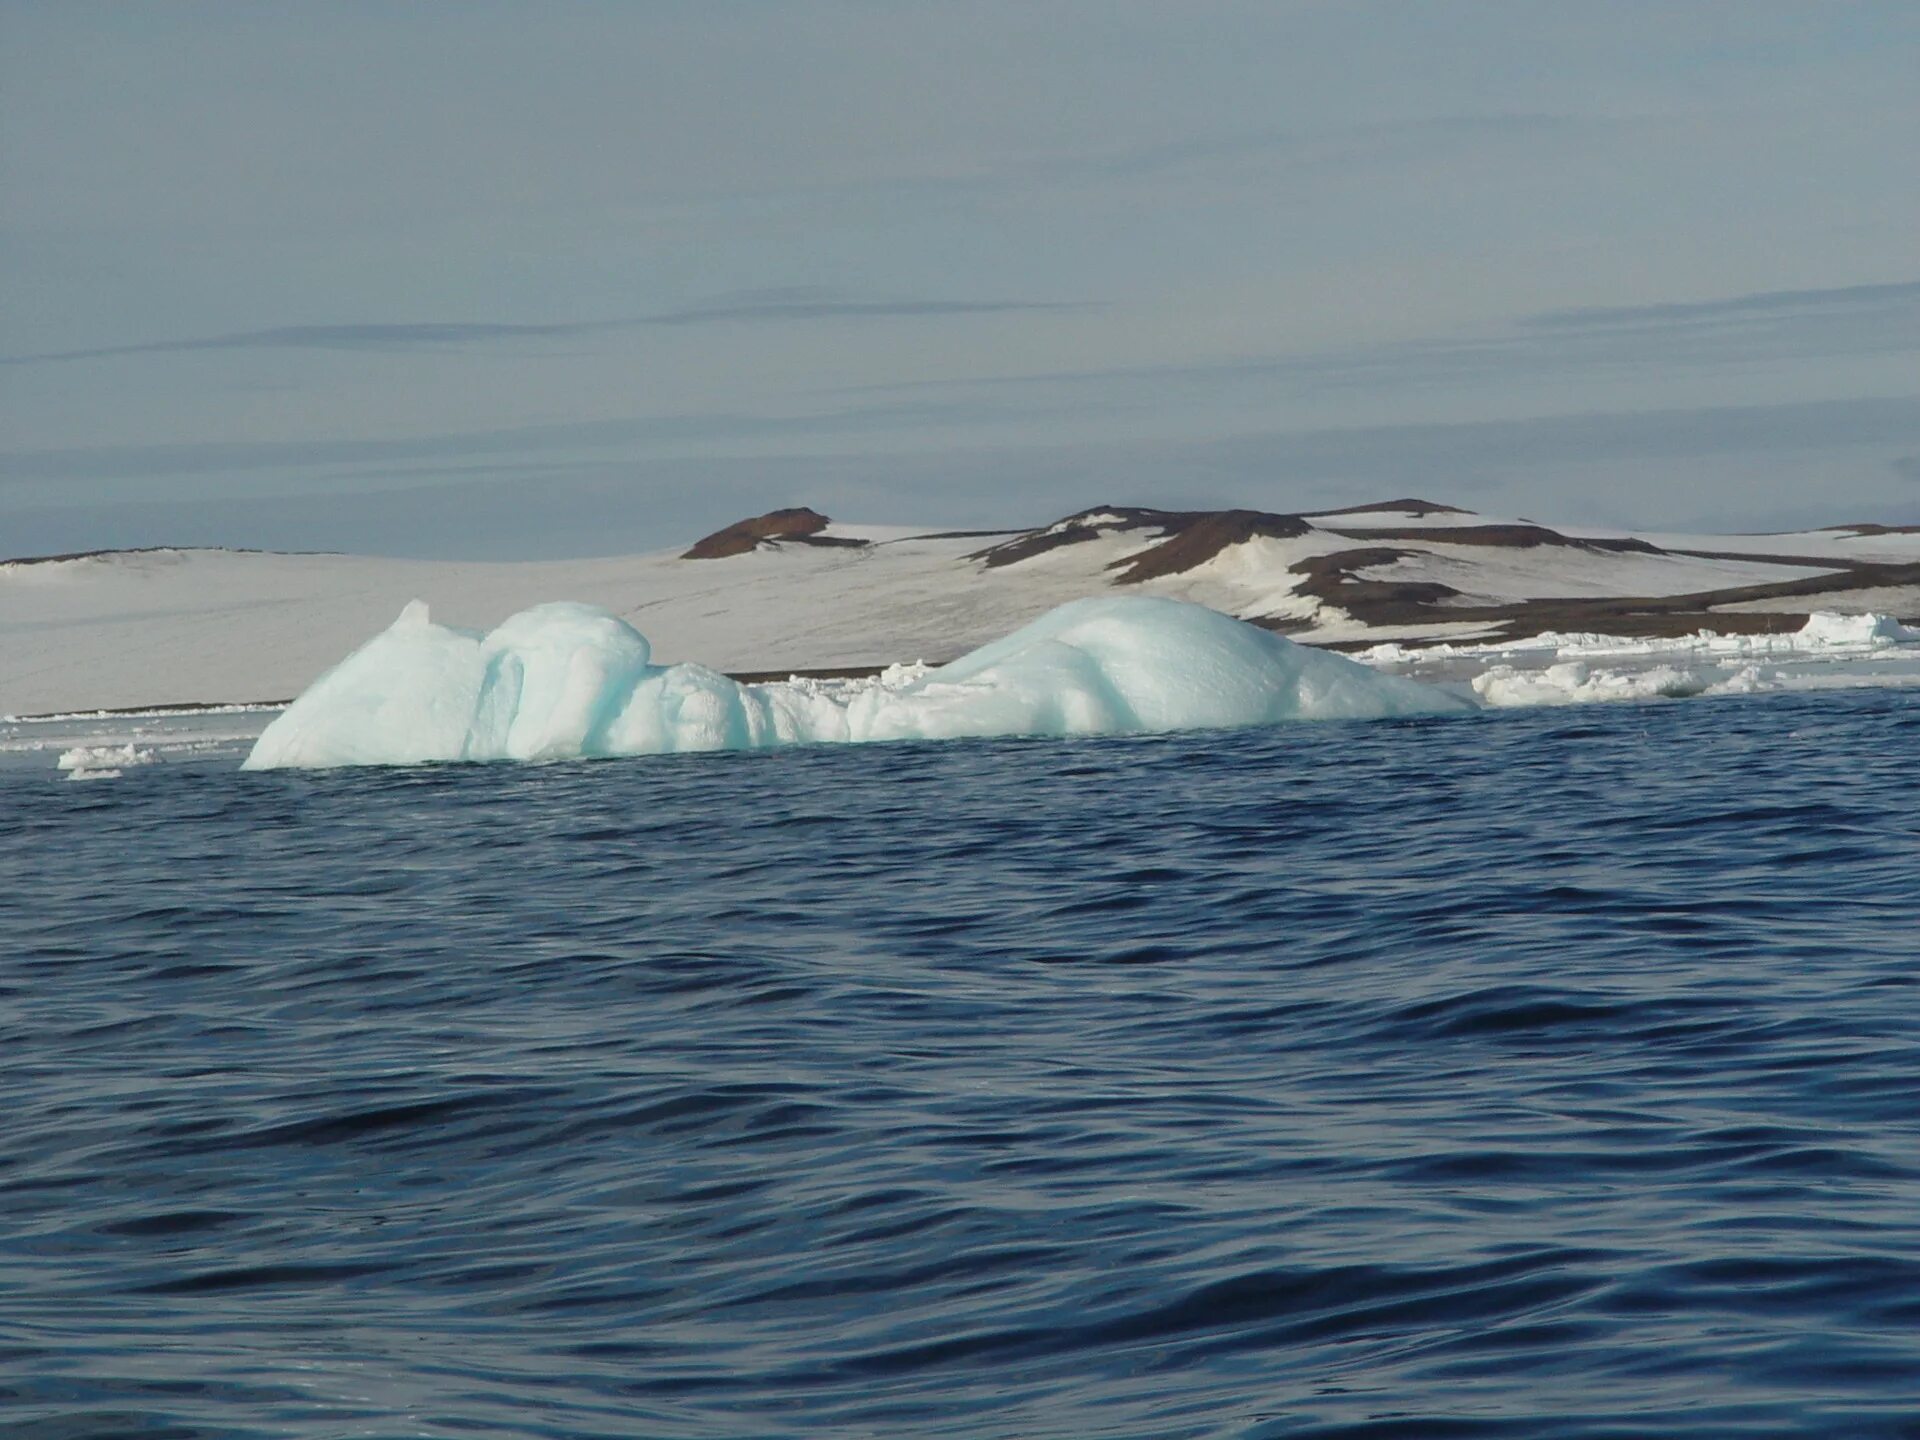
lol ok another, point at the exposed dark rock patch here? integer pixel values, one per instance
(1756, 557)
(176, 707)
(800, 523)
(156, 550)
(1388, 605)
(1507, 537)
(967, 535)
(1854, 575)
(1188, 537)
(1076, 529)
(1335, 579)
(1410, 506)
(832, 672)
(1574, 620)
(1178, 541)
(1197, 538)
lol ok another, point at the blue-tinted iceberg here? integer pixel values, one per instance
(561, 681)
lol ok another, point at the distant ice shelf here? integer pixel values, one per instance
(561, 681)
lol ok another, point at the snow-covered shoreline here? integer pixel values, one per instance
(161, 630)
(1831, 652)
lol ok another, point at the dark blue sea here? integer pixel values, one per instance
(1527, 1075)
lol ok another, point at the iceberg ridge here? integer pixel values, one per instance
(562, 681)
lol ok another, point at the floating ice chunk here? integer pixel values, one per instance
(94, 757)
(1392, 652)
(1824, 634)
(1573, 682)
(571, 680)
(103, 762)
(1749, 680)
(1826, 630)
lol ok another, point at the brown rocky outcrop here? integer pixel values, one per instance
(1198, 538)
(1411, 505)
(798, 522)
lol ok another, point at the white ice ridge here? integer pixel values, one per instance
(563, 680)
(1830, 651)
(1826, 634)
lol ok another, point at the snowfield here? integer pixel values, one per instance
(1434, 592)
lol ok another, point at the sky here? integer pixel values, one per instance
(502, 280)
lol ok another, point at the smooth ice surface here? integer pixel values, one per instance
(565, 680)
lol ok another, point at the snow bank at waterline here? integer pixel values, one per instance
(562, 680)
(1825, 635)
(1830, 651)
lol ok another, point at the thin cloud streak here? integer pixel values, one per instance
(748, 308)
(1273, 152)
(1858, 320)
(1325, 452)
(1766, 302)
(158, 462)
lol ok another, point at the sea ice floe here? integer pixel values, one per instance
(1825, 635)
(1575, 683)
(564, 680)
(1826, 630)
(1829, 651)
(102, 762)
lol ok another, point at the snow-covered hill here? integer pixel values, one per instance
(794, 591)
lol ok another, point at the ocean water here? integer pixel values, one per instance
(1536, 1074)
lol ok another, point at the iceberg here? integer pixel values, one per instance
(563, 681)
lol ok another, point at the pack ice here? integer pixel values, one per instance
(563, 680)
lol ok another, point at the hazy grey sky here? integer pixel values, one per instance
(529, 278)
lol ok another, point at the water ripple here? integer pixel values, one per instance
(1533, 1075)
